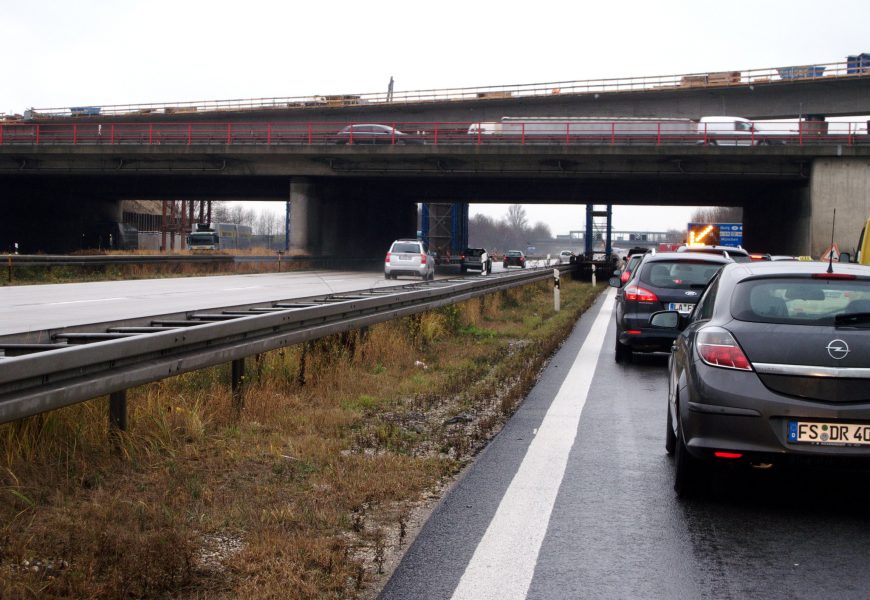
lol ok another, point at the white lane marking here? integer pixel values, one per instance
(504, 562)
(81, 301)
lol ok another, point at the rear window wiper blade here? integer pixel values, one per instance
(852, 320)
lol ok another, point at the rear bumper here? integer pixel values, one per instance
(420, 271)
(649, 340)
(727, 410)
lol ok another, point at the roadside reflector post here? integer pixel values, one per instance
(237, 377)
(556, 293)
(593, 275)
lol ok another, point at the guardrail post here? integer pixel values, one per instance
(300, 377)
(237, 377)
(9, 267)
(118, 411)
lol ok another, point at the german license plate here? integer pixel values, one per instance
(829, 434)
(681, 307)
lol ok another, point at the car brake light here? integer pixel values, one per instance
(832, 276)
(387, 259)
(718, 348)
(626, 275)
(639, 294)
(633, 331)
(422, 259)
(727, 455)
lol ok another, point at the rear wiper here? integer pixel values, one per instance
(852, 320)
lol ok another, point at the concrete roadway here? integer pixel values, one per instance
(574, 499)
(29, 308)
(39, 307)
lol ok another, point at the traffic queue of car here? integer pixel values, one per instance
(769, 360)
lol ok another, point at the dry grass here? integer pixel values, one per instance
(29, 275)
(306, 494)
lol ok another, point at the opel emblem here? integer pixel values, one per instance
(837, 349)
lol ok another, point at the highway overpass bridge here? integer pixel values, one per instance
(832, 90)
(354, 199)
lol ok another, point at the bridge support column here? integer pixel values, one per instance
(844, 184)
(303, 217)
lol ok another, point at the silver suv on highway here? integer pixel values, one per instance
(409, 257)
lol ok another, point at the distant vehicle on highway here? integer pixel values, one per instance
(567, 257)
(662, 281)
(219, 236)
(514, 258)
(475, 259)
(733, 252)
(409, 257)
(770, 368)
(373, 133)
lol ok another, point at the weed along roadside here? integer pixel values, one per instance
(311, 492)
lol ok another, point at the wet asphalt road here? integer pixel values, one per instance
(616, 528)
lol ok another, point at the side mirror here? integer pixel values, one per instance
(845, 257)
(614, 282)
(617, 273)
(665, 319)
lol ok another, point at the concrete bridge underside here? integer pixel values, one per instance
(354, 202)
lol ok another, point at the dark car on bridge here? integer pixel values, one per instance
(662, 281)
(514, 258)
(372, 133)
(771, 368)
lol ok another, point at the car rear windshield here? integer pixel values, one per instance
(474, 251)
(803, 301)
(406, 247)
(679, 274)
(514, 253)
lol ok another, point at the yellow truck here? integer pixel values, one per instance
(862, 251)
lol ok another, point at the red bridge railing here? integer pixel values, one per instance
(505, 132)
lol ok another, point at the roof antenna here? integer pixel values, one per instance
(831, 251)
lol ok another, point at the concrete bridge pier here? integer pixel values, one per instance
(347, 218)
(844, 184)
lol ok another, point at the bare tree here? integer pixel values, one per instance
(718, 214)
(516, 217)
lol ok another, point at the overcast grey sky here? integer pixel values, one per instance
(96, 52)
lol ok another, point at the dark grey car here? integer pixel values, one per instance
(771, 367)
(667, 280)
(374, 133)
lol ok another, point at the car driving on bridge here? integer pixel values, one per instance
(372, 133)
(771, 368)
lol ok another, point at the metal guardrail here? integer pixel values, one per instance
(75, 366)
(852, 67)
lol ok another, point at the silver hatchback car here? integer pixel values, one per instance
(409, 257)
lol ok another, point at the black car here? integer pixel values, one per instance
(772, 367)
(475, 259)
(374, 134)
(514, 258)
(663, 281)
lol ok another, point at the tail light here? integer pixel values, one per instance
(387, 259)
(626, 275)
(639, 294)
(731, 455)
(718, 348)
(422, 259)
